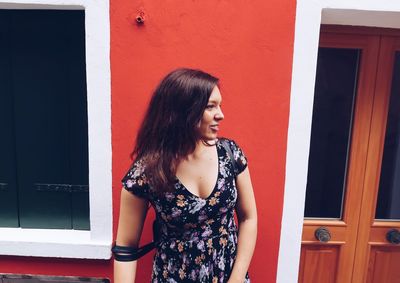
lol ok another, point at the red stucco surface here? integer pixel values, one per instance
(249, 46)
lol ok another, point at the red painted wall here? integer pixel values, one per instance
(249, 46)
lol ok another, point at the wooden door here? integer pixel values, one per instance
(377, 259)
(344, 172)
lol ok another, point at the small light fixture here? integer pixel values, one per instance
(140, 17)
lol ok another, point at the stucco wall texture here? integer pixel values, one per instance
(249, 46)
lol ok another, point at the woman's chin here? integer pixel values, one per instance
(210, 138)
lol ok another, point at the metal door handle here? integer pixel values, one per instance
(393, 236)
(322, 234)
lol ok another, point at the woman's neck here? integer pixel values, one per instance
(202, 147)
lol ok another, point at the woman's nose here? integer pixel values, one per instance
(219, 115)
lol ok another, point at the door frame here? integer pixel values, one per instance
(310, 14)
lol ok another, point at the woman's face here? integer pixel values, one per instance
(209, 124)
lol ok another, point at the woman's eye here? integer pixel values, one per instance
(210, 106)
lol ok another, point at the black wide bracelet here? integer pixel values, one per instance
(124, 253)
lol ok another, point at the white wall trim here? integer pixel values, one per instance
(95, 243)
(309, 16)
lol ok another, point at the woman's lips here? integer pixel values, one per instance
(215, 127)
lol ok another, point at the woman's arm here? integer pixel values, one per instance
(247, 218)
(132, 214)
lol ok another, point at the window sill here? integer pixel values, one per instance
(52, 243)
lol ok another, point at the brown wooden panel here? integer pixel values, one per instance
(379, 230)
(340, 29)
(358, 251)
(338, 234)
(384, 265)
(344, 231)
(370, 231)
(318, 264)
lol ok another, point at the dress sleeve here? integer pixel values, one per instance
(135, 180)
(238, 155)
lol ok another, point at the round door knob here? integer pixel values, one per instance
(393, 236)
(322, 234)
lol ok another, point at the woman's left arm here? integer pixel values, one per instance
(247, 217)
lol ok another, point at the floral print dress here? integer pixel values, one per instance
(198, 235)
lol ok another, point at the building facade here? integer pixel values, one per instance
(266, 55)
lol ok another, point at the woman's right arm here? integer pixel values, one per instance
(131, 219)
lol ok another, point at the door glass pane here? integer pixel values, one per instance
(388, 206)
(335, 89)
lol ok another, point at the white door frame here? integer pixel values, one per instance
(309, 16)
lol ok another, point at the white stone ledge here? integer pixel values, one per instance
(52, 243)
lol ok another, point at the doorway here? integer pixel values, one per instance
(352, 214)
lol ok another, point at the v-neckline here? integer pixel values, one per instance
(184, 188)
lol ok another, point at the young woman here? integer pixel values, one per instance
(195, 182)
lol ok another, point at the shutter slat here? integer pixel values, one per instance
(8, 185)
(78, 123)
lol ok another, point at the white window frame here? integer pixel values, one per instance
(309, 16)
(96, 243)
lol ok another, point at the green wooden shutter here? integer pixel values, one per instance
(49, 89)
(78, 151)
(8, 178)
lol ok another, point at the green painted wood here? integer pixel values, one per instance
(50, 123)
(80, 211)
(78, 147)
(8, 178)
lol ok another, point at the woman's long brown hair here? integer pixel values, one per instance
(169, 132)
